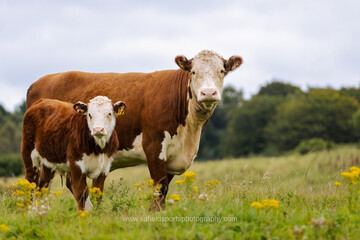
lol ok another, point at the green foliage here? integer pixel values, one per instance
(11, 165)
(322, 113)
(356, 120)
(245, 131)
(351, 92)
(277, 88)
(312, 145)
(11, 129)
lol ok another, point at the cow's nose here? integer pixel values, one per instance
(209, 95)
(98, 131)
(208, 92)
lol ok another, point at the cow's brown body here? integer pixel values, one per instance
(60, 137)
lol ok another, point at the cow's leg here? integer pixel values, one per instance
(79, 187)
(99, 183)
(46, 175)
(158, 171)
(68, 182)
(27, 146)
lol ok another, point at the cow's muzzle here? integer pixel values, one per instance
(98, 132)
(209, 96)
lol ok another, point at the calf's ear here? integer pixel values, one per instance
(119, 108)
(233, 63)
(80, 107)
(183, 63)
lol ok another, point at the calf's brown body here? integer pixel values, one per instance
(60, 137)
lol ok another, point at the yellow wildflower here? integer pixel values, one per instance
(196, 189)
(353, 175)
(150, 182)
(19, 193)
(190, 174)
(4, 228)
(338, 184)
(257, 205)
(83, 213)
(270, 203)
(20, 205)
(266, 203)
(212, 183)
(175, 197)
(354, 169)
(96, 192)
(180, 182)
(57, 193)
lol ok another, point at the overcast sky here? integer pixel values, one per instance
(306, 43)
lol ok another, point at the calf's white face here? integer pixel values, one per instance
(207, 72)
(101, 117)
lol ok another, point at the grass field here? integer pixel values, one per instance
(310, 205)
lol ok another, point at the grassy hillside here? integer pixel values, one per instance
(310, 205)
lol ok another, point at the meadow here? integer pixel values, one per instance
(288, 197)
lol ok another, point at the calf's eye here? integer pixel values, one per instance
(192, 72)
(90, 116)
(222, 71)
(109, 114)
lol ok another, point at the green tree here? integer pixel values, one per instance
(10, 138)
(322, 113)
(277, 88)
(245, 132)
(351, 91)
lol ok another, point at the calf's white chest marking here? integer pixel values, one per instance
(94, 165)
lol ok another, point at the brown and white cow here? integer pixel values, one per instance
(75, 139)
(167, 109)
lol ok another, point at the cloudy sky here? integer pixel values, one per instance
(304, 42)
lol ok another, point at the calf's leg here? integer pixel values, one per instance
(99, 183)
(79, 187)
(27, 146)
(46, 175)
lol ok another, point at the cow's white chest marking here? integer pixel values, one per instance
(94, 165)
(179, 151)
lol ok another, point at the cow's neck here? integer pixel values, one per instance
(198, 115)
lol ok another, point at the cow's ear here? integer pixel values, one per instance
(183, 63)
(233, 63)
(80, 107)
(119, 108)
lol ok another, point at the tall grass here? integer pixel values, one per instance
(310, 205)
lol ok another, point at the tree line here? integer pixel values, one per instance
(277, 119)
(280, 118)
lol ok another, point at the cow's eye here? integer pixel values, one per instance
(109, 114)
(90, 116)
(192, 72)
(222, 71)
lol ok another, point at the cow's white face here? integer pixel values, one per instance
(101, 117)
(207, 72)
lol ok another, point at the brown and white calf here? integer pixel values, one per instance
(77, 139)
(167, 109)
